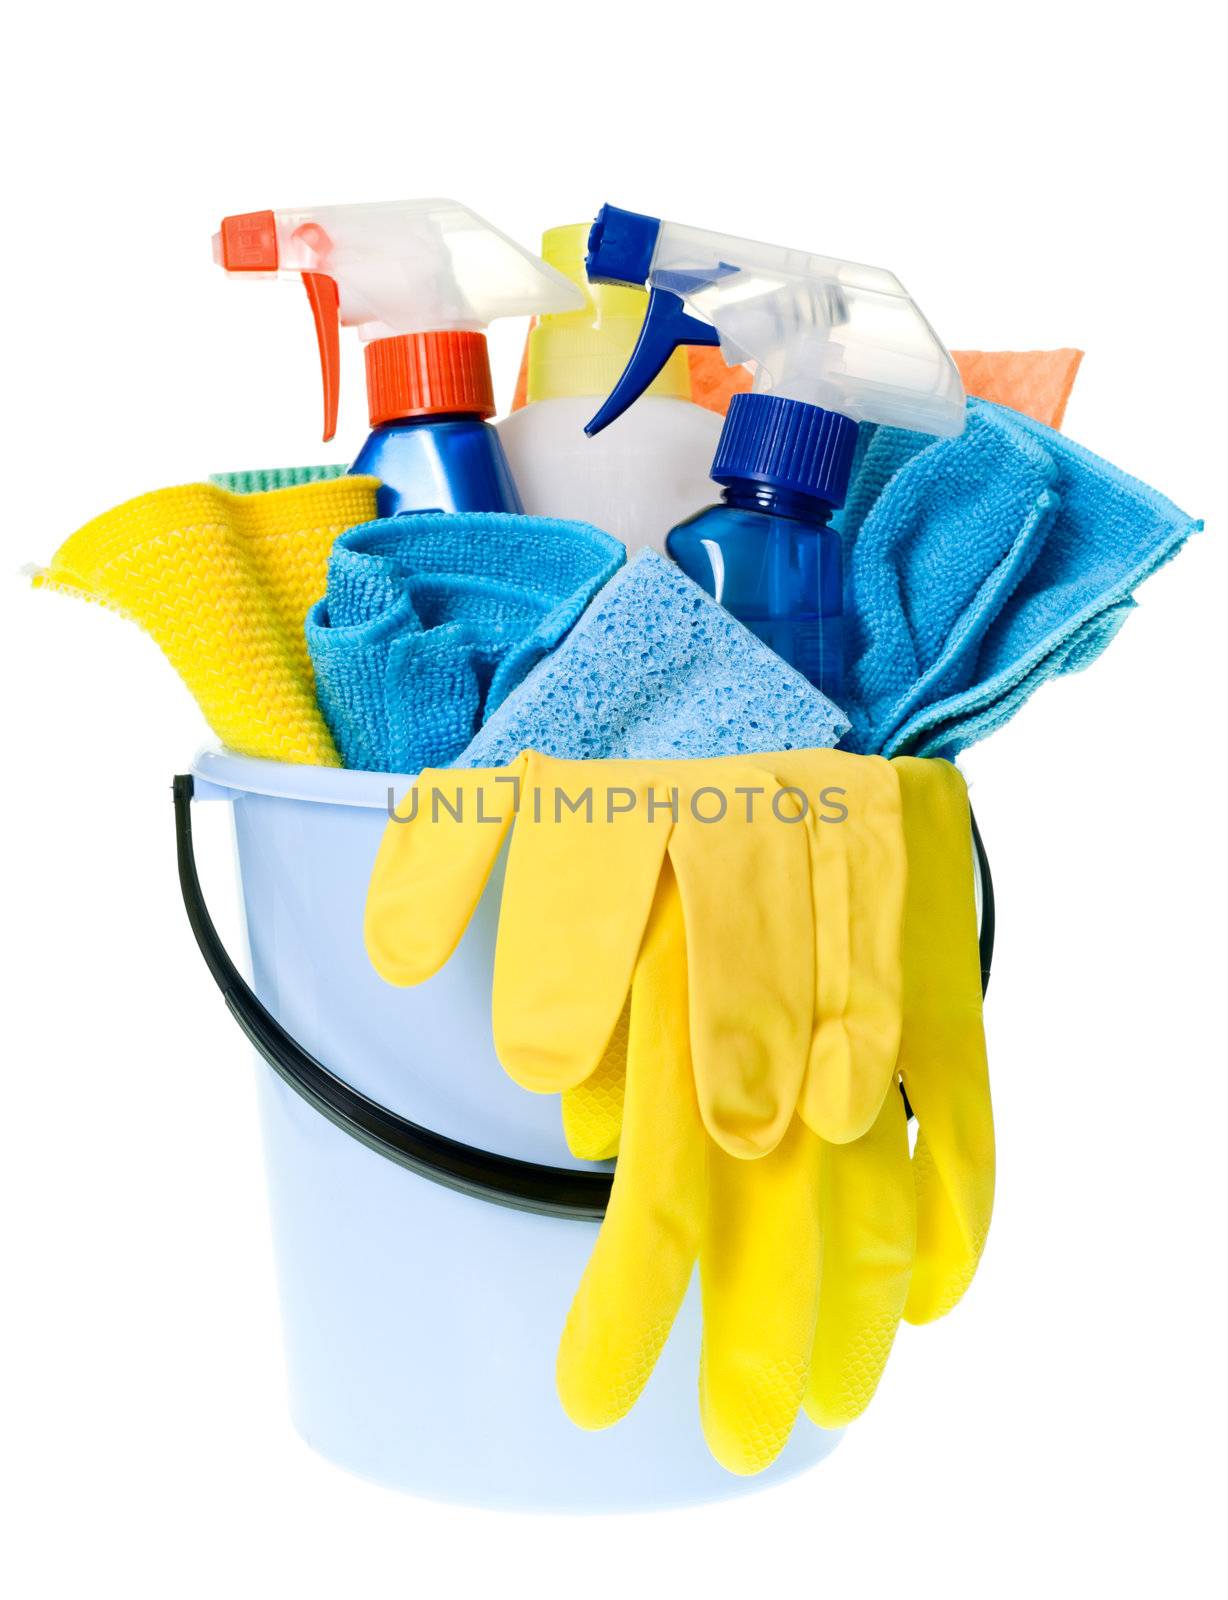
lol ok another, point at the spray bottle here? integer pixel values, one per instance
(636, 480)
(833, 344)
(420, 280)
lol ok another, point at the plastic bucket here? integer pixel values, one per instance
(420, 1321)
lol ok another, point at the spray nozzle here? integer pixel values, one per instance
(419, 279)
(666, 328)
(834, 334)
(621, 245)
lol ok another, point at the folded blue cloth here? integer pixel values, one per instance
(656, 668)
(429, 621)
(975, 721)
(977, 568)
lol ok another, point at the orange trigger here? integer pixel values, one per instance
(325, 308)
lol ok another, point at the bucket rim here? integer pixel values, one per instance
(524, 1186)
(219, 768)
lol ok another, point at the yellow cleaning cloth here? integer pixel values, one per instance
(223, 583)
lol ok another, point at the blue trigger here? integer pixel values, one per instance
(667, 326)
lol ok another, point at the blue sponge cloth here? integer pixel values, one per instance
(429, 621)
(981, 566)
(656, 668)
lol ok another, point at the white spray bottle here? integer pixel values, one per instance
(637, 480)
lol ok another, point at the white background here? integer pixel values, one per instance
(1039, 176)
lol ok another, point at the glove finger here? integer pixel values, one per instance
(868, 1221)
(432, 865)
(759, 1265)
(859, 867)
(645, 1253)
(581, 874)
(744, 877)
(593, 1110)
(953, 1214)
(942, 1052)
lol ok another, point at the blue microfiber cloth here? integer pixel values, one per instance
(979, 567)
(974, 722)
(656, 668)
(429, 621)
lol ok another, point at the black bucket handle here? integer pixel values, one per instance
(504, 1180)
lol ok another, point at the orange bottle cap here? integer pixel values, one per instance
(426, 374)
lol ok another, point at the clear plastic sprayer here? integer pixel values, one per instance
(406, 274)
(833, 334)
(833, 345)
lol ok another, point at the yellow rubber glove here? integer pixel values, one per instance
(901, 1238)
(806, 1250)
(886, 1237)
(753, 863)
(942, 1052)
(582, 869)
(858, 866)
(759, 1267)
(593, 1110)
(652, 1227)
(678, 1196)
(580, 880)
(437, 852)
(853, 828)
(765, 876)
(743, 880)
(868, 1230)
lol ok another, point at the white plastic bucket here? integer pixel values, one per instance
(421, 1323)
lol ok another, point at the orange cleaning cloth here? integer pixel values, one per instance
(1036, 382)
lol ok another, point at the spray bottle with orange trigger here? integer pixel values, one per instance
(420, 280)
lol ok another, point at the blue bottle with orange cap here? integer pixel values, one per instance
(420, 280)
(429, 395)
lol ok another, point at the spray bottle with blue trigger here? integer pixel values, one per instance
(832, 344)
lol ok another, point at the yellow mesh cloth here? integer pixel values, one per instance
(223, 582)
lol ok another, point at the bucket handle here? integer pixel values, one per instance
(504, 1180)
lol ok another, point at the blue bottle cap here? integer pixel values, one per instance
(786, 444)
(620, 246)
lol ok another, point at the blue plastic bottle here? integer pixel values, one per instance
(438, 463)
(429, 395)
(766, 552)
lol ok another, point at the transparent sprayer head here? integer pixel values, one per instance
(829, 333)
(397, 268)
